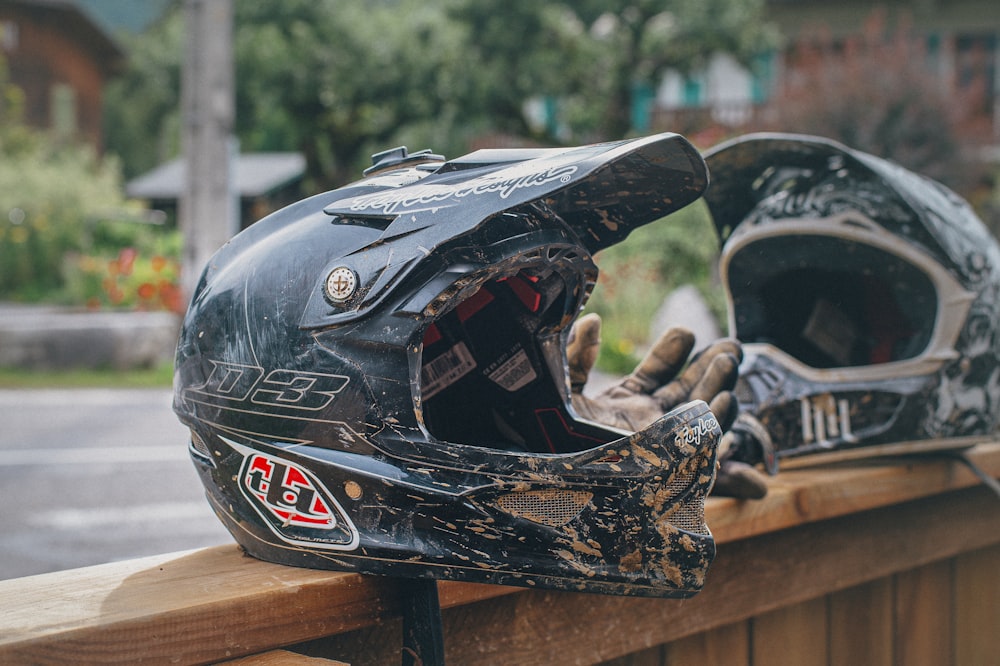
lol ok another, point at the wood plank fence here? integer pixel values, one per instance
(894, 561)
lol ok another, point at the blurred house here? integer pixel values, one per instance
(61, 59)
(264, 182)
(961, 45)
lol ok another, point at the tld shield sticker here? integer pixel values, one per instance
(293, 503)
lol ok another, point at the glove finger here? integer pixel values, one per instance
(726, 409)
(634, 412)
(740, 480)
(662, 362)
(723, 346)
(720, 375)
(680, 389)
(582, 349)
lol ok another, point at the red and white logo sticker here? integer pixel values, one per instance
(287, 492)
(296, 506)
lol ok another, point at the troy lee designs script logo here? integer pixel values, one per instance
(693, 434)
(504, 184)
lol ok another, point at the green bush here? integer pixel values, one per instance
(638, 274)
(63, 215)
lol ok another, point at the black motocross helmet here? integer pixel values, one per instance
(375, 378)
(866, 297)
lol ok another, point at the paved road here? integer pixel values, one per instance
(92, 476)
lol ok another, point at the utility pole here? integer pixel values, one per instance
(208, 209)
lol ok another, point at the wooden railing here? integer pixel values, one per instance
(882, 562)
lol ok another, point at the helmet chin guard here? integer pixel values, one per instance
(375, 378)
(866, 297)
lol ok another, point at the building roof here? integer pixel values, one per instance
(256, 174)
(125, 16)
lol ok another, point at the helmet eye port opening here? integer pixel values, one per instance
(488, 377)
(831, 302)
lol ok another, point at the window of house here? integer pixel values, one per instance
(9, 36)
(976, 64)
(63, 110)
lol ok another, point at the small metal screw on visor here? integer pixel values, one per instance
(341, 284)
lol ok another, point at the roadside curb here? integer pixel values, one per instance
(50, 338)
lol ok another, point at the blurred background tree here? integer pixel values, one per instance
(636, 41)
(142, 108)
(339, 80)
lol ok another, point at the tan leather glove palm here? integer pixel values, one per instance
(664, 379)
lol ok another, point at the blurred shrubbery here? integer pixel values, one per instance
(143, 273)
(636, 276)
(67, 235)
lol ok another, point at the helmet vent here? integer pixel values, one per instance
(199, 445)
(689, 514)
(377, 222)
(550, 507)
(690, 517)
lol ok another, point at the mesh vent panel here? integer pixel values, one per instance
(548, 507)
(680, 482)
(690, 517)
(199, 445)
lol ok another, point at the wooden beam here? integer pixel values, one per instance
(805, 495)
(202, 605)
(749, 578)
(283, 658)
(817, 531)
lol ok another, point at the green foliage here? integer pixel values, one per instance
(635, 41)
(61, 209)
(343, 80)
(638, 274)
(550, 56)
(142, 105)
(158, 377)
(49, 193)
(339, 80)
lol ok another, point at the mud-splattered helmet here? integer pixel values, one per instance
(866, 297)
(375, 378)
